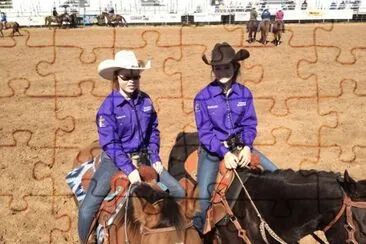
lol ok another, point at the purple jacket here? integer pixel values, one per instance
(219, 117)
(128, 126)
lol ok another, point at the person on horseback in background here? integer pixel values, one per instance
(253, 16)
(226, 122)
(3, 20)
(266, 15)
(128, 128)
(111, 13)
(54, 12)
(279, 16)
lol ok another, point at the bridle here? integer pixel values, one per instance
(349, 226)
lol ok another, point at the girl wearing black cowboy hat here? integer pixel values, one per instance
(226, 121)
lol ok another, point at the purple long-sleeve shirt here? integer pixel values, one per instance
(219, 117)
(126, 126)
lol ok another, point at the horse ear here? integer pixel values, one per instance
(146, 213)
(348, 178)
(349, 183)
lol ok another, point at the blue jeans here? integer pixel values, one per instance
(100, 186)
(208, 168)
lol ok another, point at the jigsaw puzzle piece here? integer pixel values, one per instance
(33, 113)
(69, 59)
(350, 109)
(16, 170)
(37, 224)
(287, 155)
(20, 62)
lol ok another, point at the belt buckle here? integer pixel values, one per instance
(135, 158)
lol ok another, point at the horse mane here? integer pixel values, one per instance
(290, 174)
(171, 214)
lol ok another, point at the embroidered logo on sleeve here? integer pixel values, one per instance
(197, 107)
(101, 122)
(147, 108)
(241, 104)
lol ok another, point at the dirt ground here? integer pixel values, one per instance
(310, 98)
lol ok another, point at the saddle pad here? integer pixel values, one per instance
(74, 179)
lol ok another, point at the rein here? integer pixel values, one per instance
(263, 226)
(350, 225)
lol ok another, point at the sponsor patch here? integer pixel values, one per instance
(212, 106)
(241, 104)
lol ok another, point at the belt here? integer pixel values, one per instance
(233, 143)
(138, 157)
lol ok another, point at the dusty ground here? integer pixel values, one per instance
(309, 95)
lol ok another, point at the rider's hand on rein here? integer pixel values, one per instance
(231, 160)
(244, 157)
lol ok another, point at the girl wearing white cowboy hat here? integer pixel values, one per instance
(226, 122)
(127, 127)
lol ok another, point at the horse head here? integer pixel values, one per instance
(156, 217)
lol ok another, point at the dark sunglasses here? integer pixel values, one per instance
(126, 78)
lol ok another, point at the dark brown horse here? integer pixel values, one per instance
(116, 20)
(296, 204)
(293, 203)
(264, 27)
(14, 26)
(252, 27)
(277, 29)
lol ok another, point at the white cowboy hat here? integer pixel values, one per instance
(122, 60)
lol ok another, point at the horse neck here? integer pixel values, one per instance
(292, 208)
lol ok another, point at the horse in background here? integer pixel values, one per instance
(277, 29)
(14, 26)
(264, 28)
(252, 27)
(116, 20)
(59, 20)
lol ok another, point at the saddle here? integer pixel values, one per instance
(119, 188)
(227, 189)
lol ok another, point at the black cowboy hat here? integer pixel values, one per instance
(223, 53)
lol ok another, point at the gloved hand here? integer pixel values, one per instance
(158, 166)
(244, 156)
(231, 161)
(134, 176)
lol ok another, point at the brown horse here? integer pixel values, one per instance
(112, 20)
(277, 29)
(10, 25)
(59, 19)
(152, 215)
(252, 27)
(264, 27)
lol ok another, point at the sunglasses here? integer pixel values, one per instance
(126, 78)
